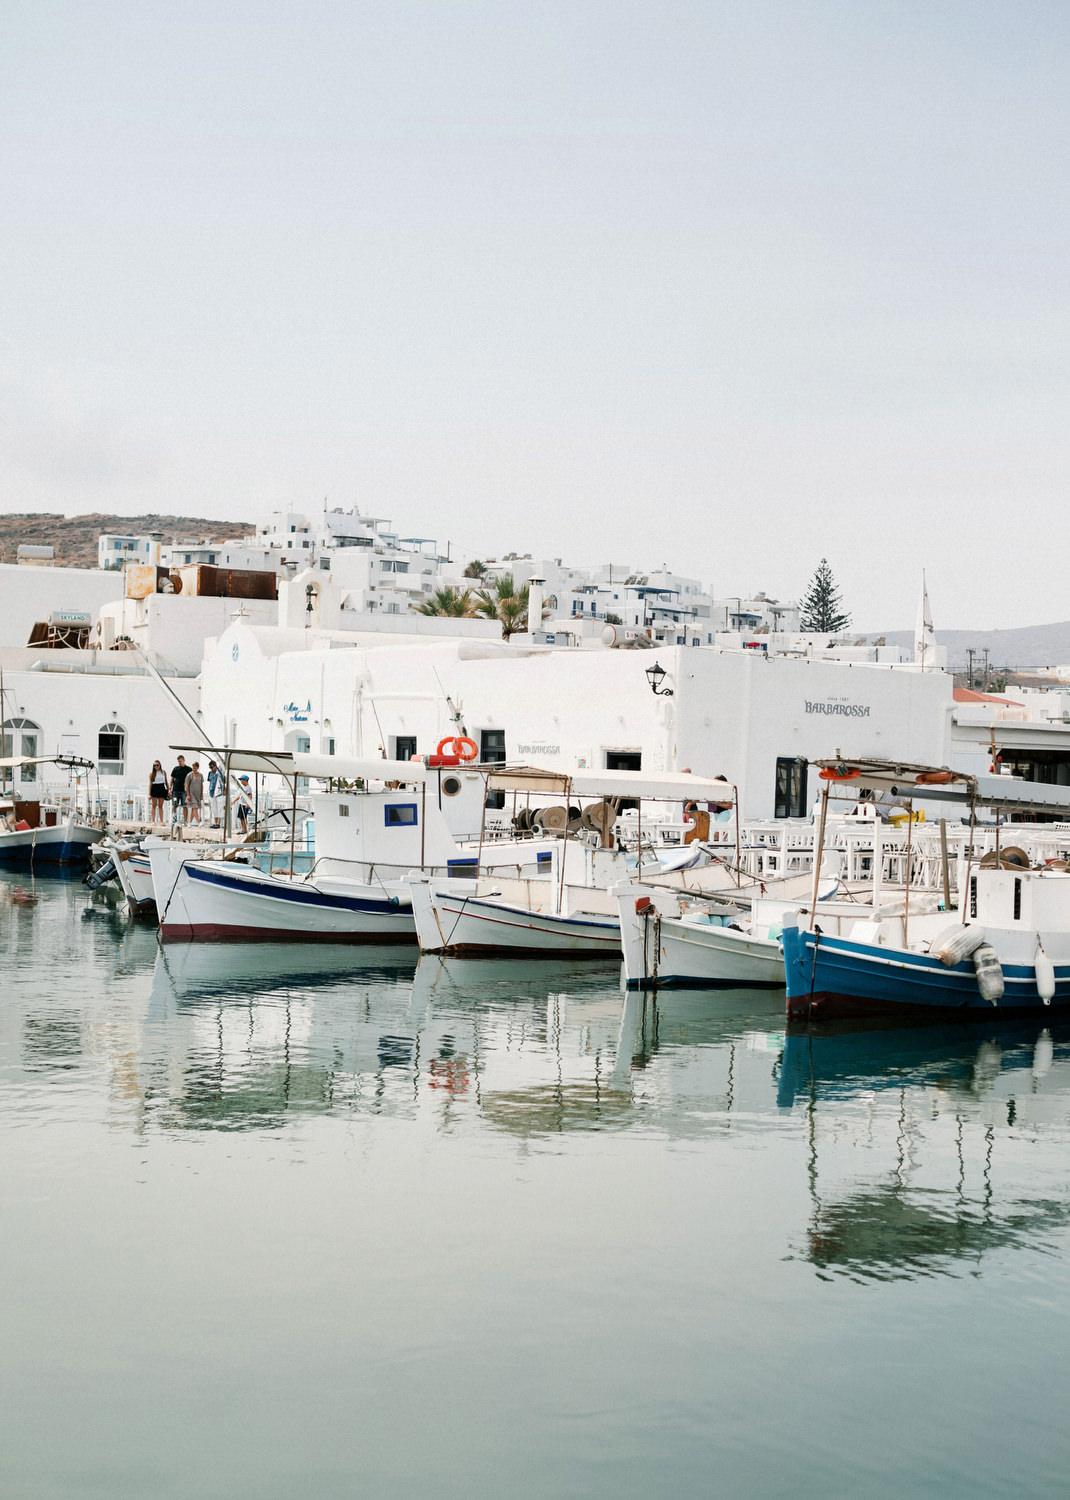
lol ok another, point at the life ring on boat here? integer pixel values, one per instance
(830, 774)
(935, 778)
(458, 741)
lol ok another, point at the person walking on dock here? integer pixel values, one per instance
(194, 793)
(215, 793)
(159, 790)
(178, 790)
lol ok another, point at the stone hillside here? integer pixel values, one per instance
(75, 537)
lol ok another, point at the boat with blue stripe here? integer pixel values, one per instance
(1003, 951)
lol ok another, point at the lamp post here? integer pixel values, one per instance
(655, 675)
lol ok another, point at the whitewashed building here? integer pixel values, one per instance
(100, 705)
(754, 719)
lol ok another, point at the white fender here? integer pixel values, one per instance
(1044, 970)
(989, 973)
(956, 943)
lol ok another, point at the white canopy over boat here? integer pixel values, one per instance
(667, 786)
(939, 783)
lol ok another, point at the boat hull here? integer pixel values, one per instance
(211, 903)
(462, 924)
(693, 955)
(661, 949)
(835, 977)
(66, 844)
(135, 874)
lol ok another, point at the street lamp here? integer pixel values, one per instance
(655, 675)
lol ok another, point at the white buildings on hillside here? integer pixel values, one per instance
(343, 662)
(115, 550)
(618, 594)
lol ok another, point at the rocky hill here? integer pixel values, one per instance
(75, 537)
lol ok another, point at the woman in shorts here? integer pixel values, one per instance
(159, 791)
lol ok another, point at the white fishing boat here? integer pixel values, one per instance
(126, 861)
(571, 911)
(35, 831)
(671, 938)
(370, 836)
(520, 917)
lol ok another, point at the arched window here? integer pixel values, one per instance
(111, 750)
(551, 602)
(21, 737)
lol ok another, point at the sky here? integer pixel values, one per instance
(728, 286)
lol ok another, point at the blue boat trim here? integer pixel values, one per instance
(301, 895)
(607, 924)
(73, 853)
(833, 975)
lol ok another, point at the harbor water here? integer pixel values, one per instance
(320, 1221)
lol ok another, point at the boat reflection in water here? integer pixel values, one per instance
(920, 1141)
(239, 1036)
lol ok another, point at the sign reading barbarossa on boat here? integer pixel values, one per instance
(837, 706)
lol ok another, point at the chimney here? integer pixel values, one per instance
(535, 588)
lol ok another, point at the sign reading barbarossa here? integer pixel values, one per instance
(833, 706)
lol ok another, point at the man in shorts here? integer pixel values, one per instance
(178, 791)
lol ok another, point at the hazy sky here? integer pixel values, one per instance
(725, 285)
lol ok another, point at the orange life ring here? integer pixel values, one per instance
(828, 774)
(935, 778)
(458, 741)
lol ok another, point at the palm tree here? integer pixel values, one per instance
(507, 604)
(457, 603)
(476, 569)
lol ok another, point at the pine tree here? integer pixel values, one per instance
(822, 607)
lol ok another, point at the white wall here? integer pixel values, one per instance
(72, 707)
(28, 595)
(731, 713)
(172, 628)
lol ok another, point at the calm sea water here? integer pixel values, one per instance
(287, 1221)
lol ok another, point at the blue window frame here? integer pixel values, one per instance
(401, 815)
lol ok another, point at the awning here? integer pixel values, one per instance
(665, 786)
(260, 762)
(906, 781)
(366, 768)
(321, 767)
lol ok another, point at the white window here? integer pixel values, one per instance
(111, 750)
(21, 737)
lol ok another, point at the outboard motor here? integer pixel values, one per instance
(100, 876)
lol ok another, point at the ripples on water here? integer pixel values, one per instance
(287, 1220)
